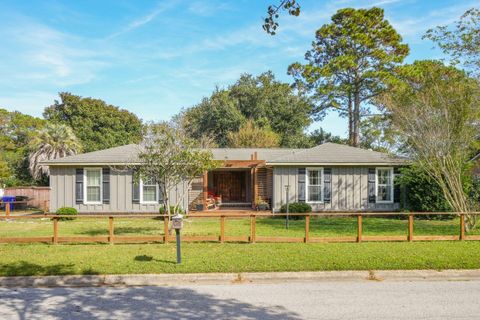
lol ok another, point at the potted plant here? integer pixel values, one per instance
(262, 205)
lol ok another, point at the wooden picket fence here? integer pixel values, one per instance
(223, 237)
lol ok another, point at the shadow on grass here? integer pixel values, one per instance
(24, 268)
(131, 303)
(145, 258)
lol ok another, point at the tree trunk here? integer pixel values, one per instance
(350, 120)
(356, 119)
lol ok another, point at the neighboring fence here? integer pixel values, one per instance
(223, 237)
(36, 195)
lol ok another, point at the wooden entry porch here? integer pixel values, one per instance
(236, 182)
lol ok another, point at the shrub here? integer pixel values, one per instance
(67, 211)
(296, 207)
(172, 210)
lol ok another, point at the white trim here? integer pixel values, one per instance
(85, 196)
(307, 183)
(391, 188)
(157, 194)
(337, 164)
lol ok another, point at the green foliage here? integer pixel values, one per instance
(320, 136)
(378, 133)
(462, 42)
(66, 211)
(266, 101)
(270, 23)
(249, 135)
(296, 207)
(97, 124)
(348, 64)
(16, 132)
(173, 209)
(423, 193)
(54, 141)
(5, 173)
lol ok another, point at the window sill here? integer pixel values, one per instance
(93, 203)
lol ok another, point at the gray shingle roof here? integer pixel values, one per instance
(332, 153)
(328, 153)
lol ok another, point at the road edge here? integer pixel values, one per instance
(237, 278)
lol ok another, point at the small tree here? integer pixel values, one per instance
(168, 157)
(436, 108)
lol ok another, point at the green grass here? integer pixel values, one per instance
(320, 227)
(42, 259)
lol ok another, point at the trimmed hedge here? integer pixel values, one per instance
(296, 207)
(66, 211)
(172, 209)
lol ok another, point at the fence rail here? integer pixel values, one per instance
(252, 237)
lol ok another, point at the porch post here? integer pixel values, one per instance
(254, 186)
(205, 190)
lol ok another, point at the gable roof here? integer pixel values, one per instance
(328, 153)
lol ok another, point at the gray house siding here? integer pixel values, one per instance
(348, 192)
(62, 183)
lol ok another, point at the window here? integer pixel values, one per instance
(149, 191)
(314, 185)
(384, 185)
(93, 185)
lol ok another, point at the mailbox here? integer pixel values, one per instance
(177, 222)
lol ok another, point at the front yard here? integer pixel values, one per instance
(45, 259)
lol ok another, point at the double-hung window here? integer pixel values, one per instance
(314, 184)
(384, 188)
(149, 191)
(93, 185)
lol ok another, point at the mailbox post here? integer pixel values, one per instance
(177, 224)
(287, 189)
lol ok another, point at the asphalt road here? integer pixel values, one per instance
(292, 300)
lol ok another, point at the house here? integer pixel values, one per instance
(330, 177)
(476, 166)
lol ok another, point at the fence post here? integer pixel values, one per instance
(110, 230)
(307, 228)
(252, 228)
(45, 207)
(55, 230)
(165, 228)
(462, 226)
(359, 228)
(7, 209)
(410, 227)
(222, 229)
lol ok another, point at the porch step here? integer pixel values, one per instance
(236, 204)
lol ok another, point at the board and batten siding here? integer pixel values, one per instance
(62, 183)
(349, 190)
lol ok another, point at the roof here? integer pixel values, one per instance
(333, 153)
(328, 153)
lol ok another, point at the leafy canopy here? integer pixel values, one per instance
(435, 108)
(262, 99)
(97, 124)
(350, 60)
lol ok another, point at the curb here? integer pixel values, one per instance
(237, 278)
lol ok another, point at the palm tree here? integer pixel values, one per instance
(52, 142)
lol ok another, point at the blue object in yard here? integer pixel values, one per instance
(8, 199)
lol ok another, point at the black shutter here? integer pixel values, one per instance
(327, 185)
(371, 185)
(396, 186)
(160, 194)
(79, 185)
(106, 185)
(135, 190)
(301, 184)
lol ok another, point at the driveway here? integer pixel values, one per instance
(289, 300)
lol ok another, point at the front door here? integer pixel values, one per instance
(230, 185)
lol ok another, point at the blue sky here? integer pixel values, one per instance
(155, 57)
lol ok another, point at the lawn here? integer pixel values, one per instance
(43, 259)
(319, 227)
